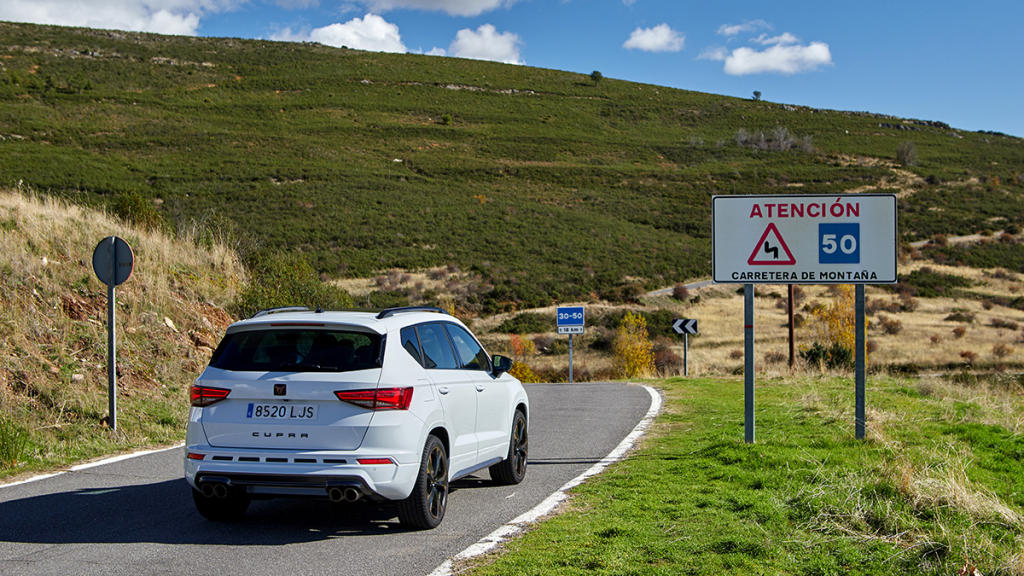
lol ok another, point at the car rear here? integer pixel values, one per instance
(285, 407)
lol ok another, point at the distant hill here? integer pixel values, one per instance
(537, 184)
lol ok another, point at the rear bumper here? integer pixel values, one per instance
(280, 473)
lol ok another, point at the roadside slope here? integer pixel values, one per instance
(53, 387)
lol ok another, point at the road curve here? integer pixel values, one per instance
(136, 516)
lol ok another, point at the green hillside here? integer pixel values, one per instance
(541, 184)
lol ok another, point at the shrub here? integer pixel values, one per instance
(890, 326)
(935, 339)
(522, 371)
(960, 316)
(775, 357)
(133, 207)
(959, 331)
(666, 361)
(969, 356)
(280, 279)
(831, 356)
(1001, 323)
(680, 292)
(634, 356)
(906, 154)
(1001, 350)
(526, 323)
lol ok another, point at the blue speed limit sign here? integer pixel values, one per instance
(839, 243)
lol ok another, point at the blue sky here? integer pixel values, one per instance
(958, 62)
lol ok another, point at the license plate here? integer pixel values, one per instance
(280, 411)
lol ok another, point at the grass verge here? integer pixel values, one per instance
(938, 484)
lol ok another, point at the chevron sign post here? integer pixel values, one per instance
(685, 326)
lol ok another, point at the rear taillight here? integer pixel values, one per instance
(378, 399)
(205, 395)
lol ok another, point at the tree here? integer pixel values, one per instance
(757, 95)
(596, 76)
(634, 353)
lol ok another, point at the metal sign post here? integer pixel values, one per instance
(859, 353)
(685, 326)
(570, 320)
(748, 363)
(113, 262)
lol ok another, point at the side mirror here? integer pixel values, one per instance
(501, 365)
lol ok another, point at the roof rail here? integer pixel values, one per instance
(280, 309)
(388, 312)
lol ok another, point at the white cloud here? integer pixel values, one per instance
(781, 59)
(161, 16)
(660, 38)
(486, 43)
(453, 7)
(371, 32)
(784, 38)
(716, 53)
(435, 51)
(748, 26)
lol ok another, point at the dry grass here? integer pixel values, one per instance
(53, 326)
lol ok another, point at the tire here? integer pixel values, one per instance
(424, 508)
(227, 509)
(512, 469)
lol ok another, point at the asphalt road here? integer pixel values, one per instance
(136, 516)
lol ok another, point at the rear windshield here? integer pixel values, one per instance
(296, 350)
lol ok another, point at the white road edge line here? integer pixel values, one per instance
(88, 465)
(519, 524)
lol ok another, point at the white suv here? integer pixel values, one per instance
(347, 405)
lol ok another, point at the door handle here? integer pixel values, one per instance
(480, 387)
(443, 389)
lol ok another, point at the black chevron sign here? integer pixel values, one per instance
(685, 326)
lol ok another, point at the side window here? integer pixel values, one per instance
(471, 355)
(437, 352)
(411, 343)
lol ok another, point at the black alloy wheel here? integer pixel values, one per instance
(512, 469)
(426, 505)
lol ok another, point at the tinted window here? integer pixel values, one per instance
(469, 352)
(437, 352)
(411, 344)
(277, 350)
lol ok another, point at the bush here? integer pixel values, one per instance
(681, 292)
(526, 323)
(280, 279)
(634, 356)
(906, 154)
(1001, 350)
(523, 372)
(831, 356)
(890, 326)
(134, 208)
(666, 361)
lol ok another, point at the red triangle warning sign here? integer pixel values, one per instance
(771, 250)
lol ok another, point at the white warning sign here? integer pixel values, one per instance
(806, 239)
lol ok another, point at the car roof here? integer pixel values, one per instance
(297, 318)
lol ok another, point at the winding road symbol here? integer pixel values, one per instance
(770, 248)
